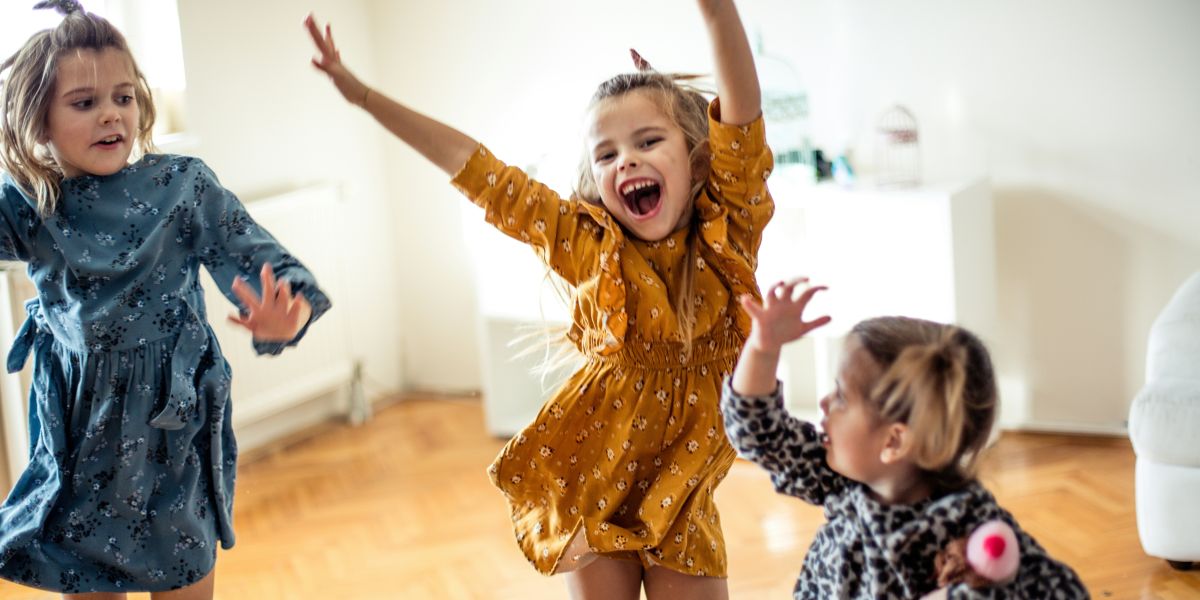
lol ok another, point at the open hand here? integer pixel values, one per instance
(330, 62)
(276, 316)
(780, 317)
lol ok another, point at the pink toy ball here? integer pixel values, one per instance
(992, 551)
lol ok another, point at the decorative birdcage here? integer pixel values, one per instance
(897, 149)
(785, 108)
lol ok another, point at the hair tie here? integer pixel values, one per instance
(640, 63)
(64, 7)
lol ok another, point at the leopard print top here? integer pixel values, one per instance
(867, 549)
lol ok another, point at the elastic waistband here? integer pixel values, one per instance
(670, 355)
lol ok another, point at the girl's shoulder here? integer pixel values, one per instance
(171, 173)
(175, 163)
(13, 198)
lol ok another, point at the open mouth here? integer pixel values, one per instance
(641, 196)
(109, 141)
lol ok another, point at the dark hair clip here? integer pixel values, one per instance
(64, 7)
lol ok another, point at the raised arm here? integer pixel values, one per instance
(737, 81)
(443, 145)
(775, 322)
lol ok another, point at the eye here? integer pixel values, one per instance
(839, 398)
(124, 99)
(82, 104)
(605, 157)
(648, 142)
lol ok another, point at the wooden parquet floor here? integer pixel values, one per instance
(401, 508)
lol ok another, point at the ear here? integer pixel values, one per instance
(896, 443)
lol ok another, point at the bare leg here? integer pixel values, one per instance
(96, 596)
(201, 590)
(664, 584)
(606, 579)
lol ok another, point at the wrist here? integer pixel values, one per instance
(365, 95)
(763, 350)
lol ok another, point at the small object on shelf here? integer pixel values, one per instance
(785, 107)
(842, 173)
(823, 167)
(897, 152)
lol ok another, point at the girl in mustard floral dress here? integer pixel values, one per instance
(613, 481)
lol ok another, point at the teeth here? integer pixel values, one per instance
(629, 188)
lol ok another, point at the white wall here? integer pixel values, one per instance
(266, 120)
(1081, 113)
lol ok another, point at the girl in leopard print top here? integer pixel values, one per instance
(894, 468)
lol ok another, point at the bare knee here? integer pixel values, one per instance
(664, 584)
(605, 579)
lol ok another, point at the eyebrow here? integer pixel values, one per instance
(636, 132)
(83, 89)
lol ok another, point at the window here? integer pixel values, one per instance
(150, 26)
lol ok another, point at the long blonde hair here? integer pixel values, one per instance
(28, 89)
(686, 106)
(938, 380)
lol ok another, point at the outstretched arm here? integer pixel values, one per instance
(737, 81)
(443, 145)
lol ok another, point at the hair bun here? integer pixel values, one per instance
(64, 7)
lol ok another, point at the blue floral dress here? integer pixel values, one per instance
(132, 457)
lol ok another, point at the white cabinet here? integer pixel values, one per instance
(925, 252)
(517, 306)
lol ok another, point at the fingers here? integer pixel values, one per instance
(808, 294)
(751, 306)
(266, 277)
(311, 25)
(324, 43)
(783, 291)
(246, 294)
(815, 324)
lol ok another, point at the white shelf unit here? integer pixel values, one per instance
(926, 252)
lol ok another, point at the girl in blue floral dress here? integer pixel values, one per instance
(132, 457)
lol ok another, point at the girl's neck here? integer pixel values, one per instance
(905, 486)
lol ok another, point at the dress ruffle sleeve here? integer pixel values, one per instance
(578, 240)
(735, 205)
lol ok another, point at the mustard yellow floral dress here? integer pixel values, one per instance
(624, 459)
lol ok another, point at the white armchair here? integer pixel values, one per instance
(1164, 426)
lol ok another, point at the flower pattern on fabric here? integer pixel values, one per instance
(132, 457)
(632, 468)
(867, 549)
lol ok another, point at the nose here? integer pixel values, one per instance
(628, 162)
(824, 404)
(109, 114)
